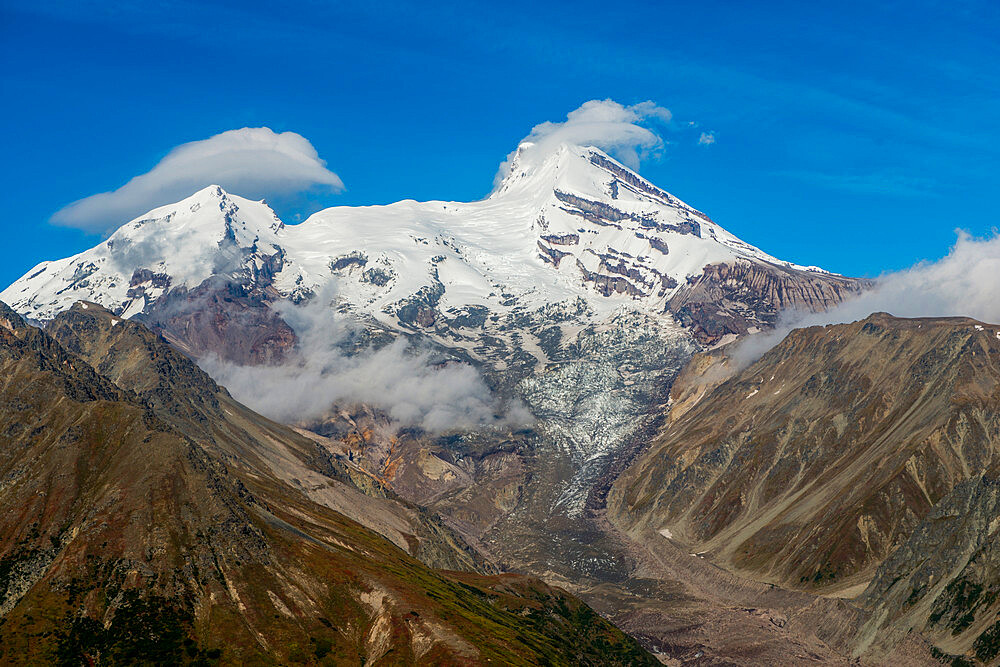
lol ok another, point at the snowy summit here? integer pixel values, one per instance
(564, 225)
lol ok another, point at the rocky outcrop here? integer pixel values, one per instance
(144, 280)
(610, 284)
(561, 239)
(551, 255)
(230, 320)
(420, 309)
(595, 212)
(745, 295)
(620, 273)
(355, 258)
(944, 581)
(658, 244)
(638, 184)
(600, 213)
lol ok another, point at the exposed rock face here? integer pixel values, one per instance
(628, 179)
(944, 581)
(812, 466)
(420, 310)
(703, 373)
(228, 315)
(134, 531)
(743, 296)
(561, 239)
(601, 213)
(613, 284)
(226, 319)
(551, 255)
(144, 278)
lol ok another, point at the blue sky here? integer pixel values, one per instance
(853, 137)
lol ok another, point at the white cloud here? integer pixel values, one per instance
(965, 283)
(413, 387)
(706, 139)
(253, 162)
(606, 124)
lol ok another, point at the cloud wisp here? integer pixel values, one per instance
(966, 283)
(617, 129)
(253, 161)
(413, 387)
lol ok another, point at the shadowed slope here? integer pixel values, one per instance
(853, 455)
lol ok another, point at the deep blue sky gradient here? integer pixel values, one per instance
(854, 137)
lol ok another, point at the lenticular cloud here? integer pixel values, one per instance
(606, 124)
(254, 161)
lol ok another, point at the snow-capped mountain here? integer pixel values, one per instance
(210, 233)
(573, 226)
(577, 290)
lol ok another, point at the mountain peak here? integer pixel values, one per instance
(566, 222)
(533, 166)
(542, 168)
(212, 190)
(207, 220)
(212, 195)
(210, 232)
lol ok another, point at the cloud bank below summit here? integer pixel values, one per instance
(412, 387)
(253, 161)
(964, 283)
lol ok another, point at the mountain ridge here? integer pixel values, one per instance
(577, 290)
(574, 224)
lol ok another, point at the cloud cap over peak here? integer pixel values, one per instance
(611, 126)
(251, 161)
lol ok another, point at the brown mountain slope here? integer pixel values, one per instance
(129, 535)
(188, 399)
(813, 465)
